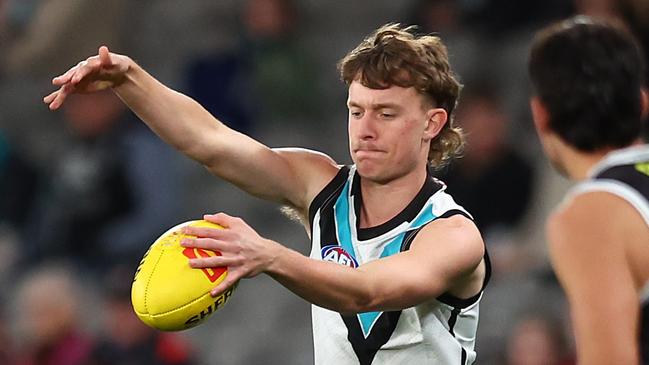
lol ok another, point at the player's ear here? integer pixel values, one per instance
(539, 114)
(435, 120)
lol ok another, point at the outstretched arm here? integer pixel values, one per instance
(287, 176)
(445, 255)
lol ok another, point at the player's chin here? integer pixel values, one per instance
(369, 169)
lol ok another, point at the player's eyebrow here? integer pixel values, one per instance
(385, 105)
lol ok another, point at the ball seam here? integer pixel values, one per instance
(181, 307)
(146, 287)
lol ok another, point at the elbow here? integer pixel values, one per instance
(359, 302)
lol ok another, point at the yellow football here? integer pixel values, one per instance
(167, 293)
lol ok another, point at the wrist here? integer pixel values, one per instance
(127, 73)
(276, 255)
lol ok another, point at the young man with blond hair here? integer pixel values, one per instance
(397, 268)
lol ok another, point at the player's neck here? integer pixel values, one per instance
(382, 202)
(579, 164)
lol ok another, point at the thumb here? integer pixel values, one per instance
(104, 56)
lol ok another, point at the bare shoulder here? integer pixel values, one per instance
(595, 231)
(585, 235)
(315, 168)
(588, 219)
(456, 237)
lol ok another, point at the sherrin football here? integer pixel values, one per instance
(167, 293)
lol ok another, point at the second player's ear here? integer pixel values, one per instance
(539, 114)
(436, 118)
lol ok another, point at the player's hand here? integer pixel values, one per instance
(105, 70)
(243, 251)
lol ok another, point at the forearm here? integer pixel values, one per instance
(326, 284)
(177, 119)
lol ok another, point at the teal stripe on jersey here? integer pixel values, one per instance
(395, 245)
(425, 217)
(343, 227)
(368, 319)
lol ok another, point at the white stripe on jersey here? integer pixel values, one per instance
(617, 188)
(644, 294)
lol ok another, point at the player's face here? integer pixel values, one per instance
(549, 139)
(389, 130)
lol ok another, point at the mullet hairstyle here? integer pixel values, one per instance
(395, 55)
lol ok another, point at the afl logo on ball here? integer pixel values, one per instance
(338, 255)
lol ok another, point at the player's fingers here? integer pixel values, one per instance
(90, 66)
(230, 280)
(221, 219)
(66, 77)
(214, 261)
(48, 99)
(84, 69)
(205, 232)
(208, 243)
(61, 95)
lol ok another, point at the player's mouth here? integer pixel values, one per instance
(368, 152)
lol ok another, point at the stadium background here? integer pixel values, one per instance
(84, 191)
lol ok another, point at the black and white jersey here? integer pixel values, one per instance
(439, 331)
(625, 173)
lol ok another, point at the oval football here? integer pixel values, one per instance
(167, 293)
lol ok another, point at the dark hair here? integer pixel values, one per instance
(588, 74)
(393, 55)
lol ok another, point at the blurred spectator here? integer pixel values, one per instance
(48, 320)
(111, 191)
(491, 180)
(503, 17)
(45, 37)
(269, 76)
(6, 343)
(492, 17)
(538, 340)
(596, 8)
(283, 75)
(128, 341)
(18, 179)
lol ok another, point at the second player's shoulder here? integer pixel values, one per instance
(586, 220)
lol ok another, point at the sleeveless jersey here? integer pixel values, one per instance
(625, 173)
(439, 331)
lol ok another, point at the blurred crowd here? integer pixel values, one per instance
(85, 191)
